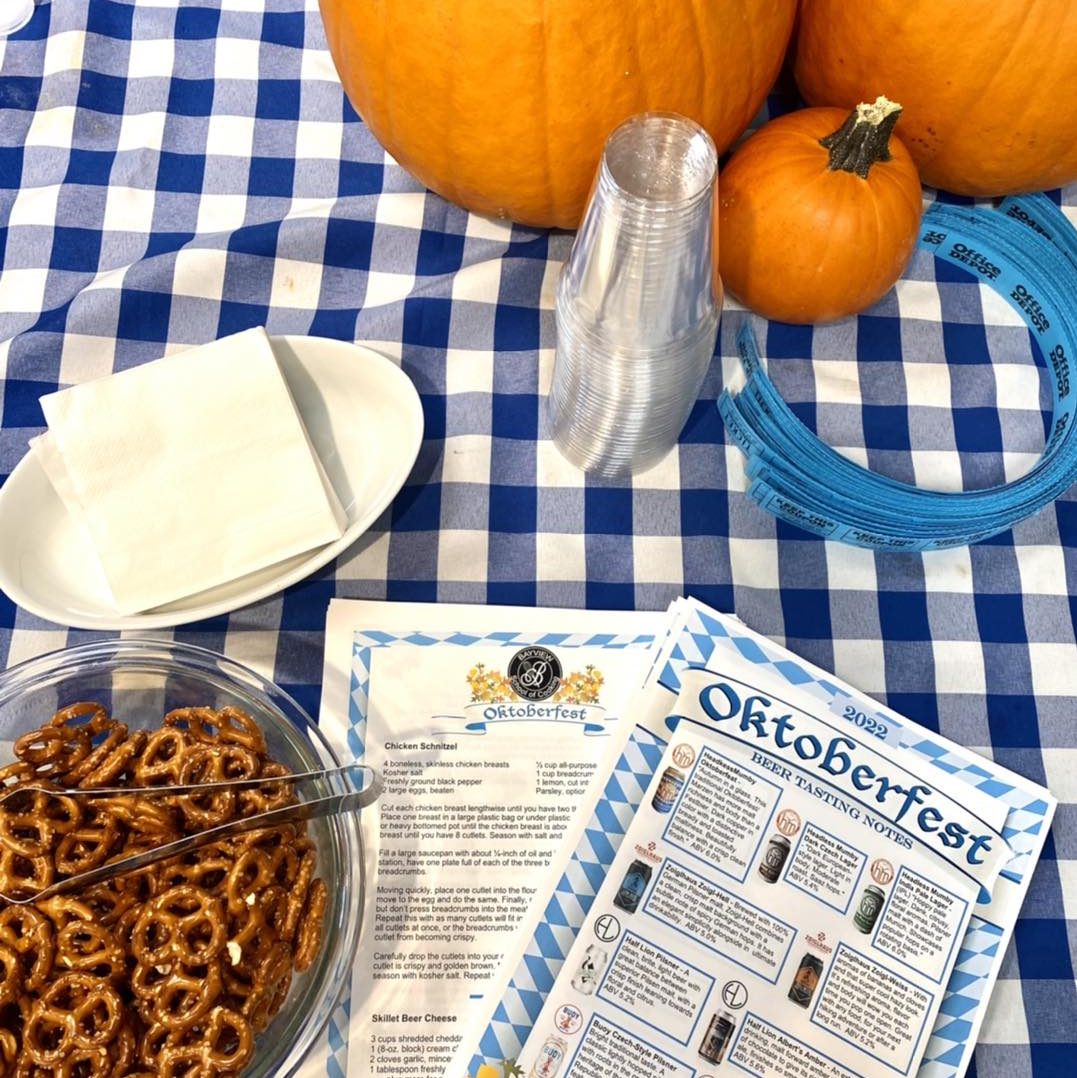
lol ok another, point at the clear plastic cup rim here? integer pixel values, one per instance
(658, 120)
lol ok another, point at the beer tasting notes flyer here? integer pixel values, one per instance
(808, 886)
(492, 730)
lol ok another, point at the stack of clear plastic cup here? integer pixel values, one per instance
(639, 299)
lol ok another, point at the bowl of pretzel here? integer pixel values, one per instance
(226, 960)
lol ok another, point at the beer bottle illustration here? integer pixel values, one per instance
(718, 1035)
(868, 908)
(633, 886)
(770, 868)
(805, 980)
(669, 787)
(550, 1057)
(590, 972)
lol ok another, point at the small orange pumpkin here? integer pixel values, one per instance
(818, 213)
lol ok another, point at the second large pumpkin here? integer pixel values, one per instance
(503, 105)
(987, 89)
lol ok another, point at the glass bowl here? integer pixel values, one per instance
(139, 681)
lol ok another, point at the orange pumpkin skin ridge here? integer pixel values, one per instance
(987, 89)
(503, 106)
(801, 243)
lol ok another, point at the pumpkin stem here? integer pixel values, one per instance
(864, 138)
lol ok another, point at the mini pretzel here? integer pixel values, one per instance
(110, 765)
(24, 875)
(31, 819)
(87, 846)
(140, 815)
(309, 938)
(229, 725)
(266, 798)
(225, 1047)
(112, 740)
(98, 1019)
(24, 828)
(252, 872)
(256, 929)
(86, 715)
(201, 811)
(184, 923)
(288, 857)
(10, 975)
(30, 935)
(64, 813)
(269, 986)
(53, 750)
(184, 996)
(75, 1011)
(90, 948)
(199, 722)
(162, 758)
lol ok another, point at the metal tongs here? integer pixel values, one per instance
(359, 786)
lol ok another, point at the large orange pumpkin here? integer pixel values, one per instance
(503, 105)
(988, 90)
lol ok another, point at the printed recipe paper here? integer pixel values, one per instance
(491, 744)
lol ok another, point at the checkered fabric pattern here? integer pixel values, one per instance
(169, 174)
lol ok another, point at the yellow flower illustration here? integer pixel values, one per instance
(578, 687)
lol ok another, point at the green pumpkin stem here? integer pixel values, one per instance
(864, 138)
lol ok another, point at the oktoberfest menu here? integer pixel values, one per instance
(788, 901)
(492, 731)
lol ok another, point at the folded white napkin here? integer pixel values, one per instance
(189, 471)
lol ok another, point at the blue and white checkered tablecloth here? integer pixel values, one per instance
(172, 174)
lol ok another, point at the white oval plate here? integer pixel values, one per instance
(366, 422)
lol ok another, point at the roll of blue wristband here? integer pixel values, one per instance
(1026, 249)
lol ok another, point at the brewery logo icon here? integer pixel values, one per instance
(882, 872)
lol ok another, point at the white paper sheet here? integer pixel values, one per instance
(425, 694)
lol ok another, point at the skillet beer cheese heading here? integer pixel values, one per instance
(846, 773)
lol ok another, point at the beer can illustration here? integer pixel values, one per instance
(550, 1057)
(770, 868)
(805, 980)
(669, 788)
(591, 969)
(633, 886)
(719, 1034)
(868, 908)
